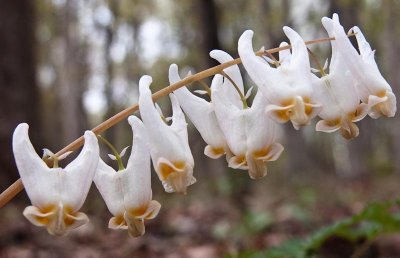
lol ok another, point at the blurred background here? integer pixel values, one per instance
(67, 65)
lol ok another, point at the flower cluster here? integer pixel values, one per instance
(247, 135)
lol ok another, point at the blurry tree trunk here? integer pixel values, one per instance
(206, 12)
(109, 30)
(18, 86)
(71, 63)
(391, 45)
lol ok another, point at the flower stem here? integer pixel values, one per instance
(205, 87)
(315, 59)
(113, 150)
(8, 194)
(242, 98)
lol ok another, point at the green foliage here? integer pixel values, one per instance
(375, 220)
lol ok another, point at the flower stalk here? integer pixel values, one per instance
(242, 97)
(8, 194)
(113, 150)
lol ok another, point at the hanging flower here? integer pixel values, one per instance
(127, 192)
(250, 133)
(338, 93)
(202, 115)
(287, 88)
(169, 146)
(372, 88)
(56, 193)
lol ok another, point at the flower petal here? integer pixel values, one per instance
(273, 152)
(368, 79)
(257, 167)
(109, 184)
(199, 111)
(328, 126)
(260, 72)
(80, 172)
(231, 121)
(214, 152)
(349, 130)
(280, 114)
(234, 73)
(135, 226)
(136, 178)
(299, 59)
(117, 222)
(41, 183)
(152, 210)
(175, 176)
(57, 219)
(163, 141)
(238, 162)
(385, 105)
(284, 55)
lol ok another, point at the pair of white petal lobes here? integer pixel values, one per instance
(169, 146)
(287, 88)
(372, 88)
(56, 194)
(202, 115)
(128, 193)
(338, 92)
(249, 132)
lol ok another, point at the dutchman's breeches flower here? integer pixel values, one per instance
(372, 88)
(169, 146)
(287, 88)
(338, 92)
(56, 193)
(250, 133)
(202, 115)
(127, 192)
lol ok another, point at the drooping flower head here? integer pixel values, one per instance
(127, 192)
(337, 92)
(287, 88)
(250, 133)
(372, 88)
(56, 193)
(169, 146)
(202, 115)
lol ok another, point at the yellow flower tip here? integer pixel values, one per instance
(382, 103)
(133, 219)
(58, 219)
(238, 162)
(136, 226)
(214, 152)
(299, 110)
(166, 169)
(177, 181)
(349, 130)
(176, 176)
(257, 160)
(257, 167)
(117, 222)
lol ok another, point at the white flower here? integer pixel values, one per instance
(127, 193)
(250, 133)
(56, 193)
(372, 88)
(338, 93)
(287, 88)
(202, 115)
(169, 146)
